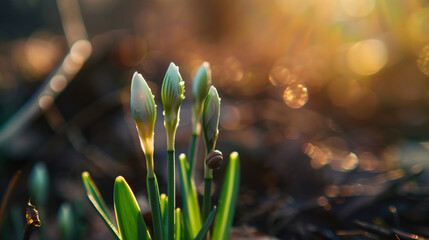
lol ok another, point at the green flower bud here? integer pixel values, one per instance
(172, 94)
(143, 109)
(65, 221)
(210, 119)
(39, 184)
(200, 88)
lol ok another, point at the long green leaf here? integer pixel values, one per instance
(98, 202)
(178, 232)
(228, 199)
(130, 220)
(191, 210)
(163, 201)
(206, 225)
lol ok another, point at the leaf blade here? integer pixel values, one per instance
(191, 208)
(163, 201)
(178, 232)
(228, 199)
(97, 201)
(206, 224)
(130, 220)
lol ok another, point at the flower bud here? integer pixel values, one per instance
(200, 88)
(210, 119)
(65, 221)
(39, 184)
(143, 109)
(172, 94)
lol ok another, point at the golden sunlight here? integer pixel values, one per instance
(367, 57)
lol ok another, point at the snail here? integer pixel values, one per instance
(214, 159)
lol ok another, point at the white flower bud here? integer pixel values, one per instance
(143, 109)
(210, 119)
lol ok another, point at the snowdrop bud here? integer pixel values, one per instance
(200, 88)
(210, 119)
(143, 109)
(172, 94)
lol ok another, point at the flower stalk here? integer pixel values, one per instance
(200, 89)
(172, 94)
(143, 110)
(210, 124)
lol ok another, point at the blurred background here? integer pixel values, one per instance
(326, 101)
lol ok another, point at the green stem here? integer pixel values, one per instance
(192, 153)
(207, 199)
(149, 165)
(171, 194)
(153, 192)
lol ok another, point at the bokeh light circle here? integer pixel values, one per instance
(295, 96)
(367, 57)
(280, 76)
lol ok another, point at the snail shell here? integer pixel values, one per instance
(214, 159)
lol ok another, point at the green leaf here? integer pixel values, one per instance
(206, 225)
(98, 202)
(163, 201)
(191, 209)
(228, 199)
(130, 220)
(178, 232)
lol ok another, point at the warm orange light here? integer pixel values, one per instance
(357, 8)
(295, 96)
(367, 57)
(281, 76)
(423, 60)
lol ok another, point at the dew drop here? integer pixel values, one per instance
(295, 96)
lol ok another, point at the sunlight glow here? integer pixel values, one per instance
(357, 8)
(423, 60)
(367, 57)
(418, 27)
(231, 118)
(281, 76)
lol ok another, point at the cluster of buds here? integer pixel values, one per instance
(205, 106)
